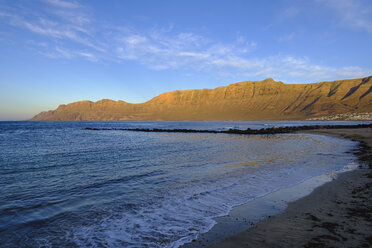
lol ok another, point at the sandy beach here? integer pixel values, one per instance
(336, 214)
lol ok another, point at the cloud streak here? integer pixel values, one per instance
(351, 13)
(68, 31)
(63, 4)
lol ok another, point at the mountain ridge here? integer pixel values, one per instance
(248, 100)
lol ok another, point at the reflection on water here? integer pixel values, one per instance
(254, 162)
(62, 186)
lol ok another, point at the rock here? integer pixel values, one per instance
(250, 100)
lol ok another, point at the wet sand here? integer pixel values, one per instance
(336, 214)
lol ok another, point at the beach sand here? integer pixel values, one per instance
(336, 214)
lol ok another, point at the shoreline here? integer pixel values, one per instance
(245, 216)
(335, 214)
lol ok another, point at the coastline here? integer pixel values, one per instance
(336, 214)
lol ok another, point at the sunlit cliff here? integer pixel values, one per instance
(249, 100)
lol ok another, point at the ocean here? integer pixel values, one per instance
(63, 186)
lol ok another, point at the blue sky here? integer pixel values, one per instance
(57, 51)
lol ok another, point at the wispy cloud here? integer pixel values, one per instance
(60, 52)
(58, 20)
(287, 37)
(289, 13)
(64, 4)
(67, 30)
(292, 68)
(223, 59)
(162, 50)
(351, 13)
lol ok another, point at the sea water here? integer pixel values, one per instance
(63, 186)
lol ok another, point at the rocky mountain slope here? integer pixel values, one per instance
(249, 100)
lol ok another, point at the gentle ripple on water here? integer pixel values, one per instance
(62, 186)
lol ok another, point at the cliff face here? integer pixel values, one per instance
(250, 100)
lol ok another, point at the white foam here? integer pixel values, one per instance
(188, 209)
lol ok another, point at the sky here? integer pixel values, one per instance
(58, 51)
